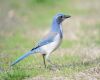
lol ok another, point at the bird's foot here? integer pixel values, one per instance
(54, 67)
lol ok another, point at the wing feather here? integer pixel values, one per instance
(47, 39)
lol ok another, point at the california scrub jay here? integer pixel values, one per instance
(50, 42)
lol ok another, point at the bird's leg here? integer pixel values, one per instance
(47, 58)
(49, 61)
(53, 66)
(44, 60)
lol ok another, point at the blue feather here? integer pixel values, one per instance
(24, 56)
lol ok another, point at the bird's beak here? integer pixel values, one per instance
(67, 16)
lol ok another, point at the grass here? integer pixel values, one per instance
(64, 66)
(28, 24)
(70, 43)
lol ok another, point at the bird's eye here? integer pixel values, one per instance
(61, 16)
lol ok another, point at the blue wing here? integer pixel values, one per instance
(47, 39)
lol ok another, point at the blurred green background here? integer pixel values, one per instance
(25, 22)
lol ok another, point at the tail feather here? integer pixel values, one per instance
(24, 56)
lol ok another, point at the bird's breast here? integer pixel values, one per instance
(50, 47)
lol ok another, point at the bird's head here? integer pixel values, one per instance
(61, 17)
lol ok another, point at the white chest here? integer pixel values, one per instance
(53, 45)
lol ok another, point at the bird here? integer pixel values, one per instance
(50, 42)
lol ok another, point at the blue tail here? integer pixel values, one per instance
(34, 50)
